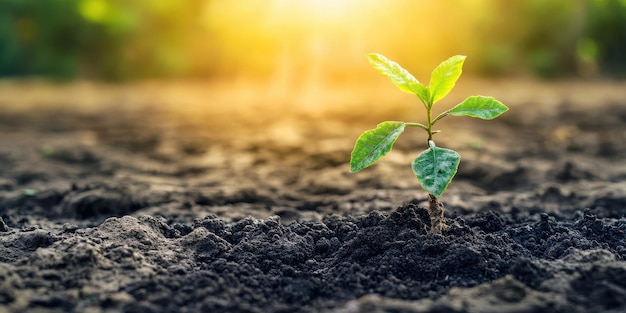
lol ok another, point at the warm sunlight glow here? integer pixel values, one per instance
(299, 42)
(321, 9)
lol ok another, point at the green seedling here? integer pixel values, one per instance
(435, 167)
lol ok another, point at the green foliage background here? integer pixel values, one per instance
(554, 37)
(104, 39)
(134, 39)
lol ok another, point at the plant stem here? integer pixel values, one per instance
(440, 116)
(435, 208)
(430, 123)
(435, 211)
(422, 126)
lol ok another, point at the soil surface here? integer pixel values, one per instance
(138, 199)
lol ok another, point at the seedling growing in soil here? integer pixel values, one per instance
(435, 167)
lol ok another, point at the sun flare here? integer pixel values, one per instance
(319, 9)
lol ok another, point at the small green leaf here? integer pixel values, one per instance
(435, 168)
(486, 108)
(398, 76)
(444, 77)
(374, 144)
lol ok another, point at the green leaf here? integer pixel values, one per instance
(483, 107)
(444, 77)
(435, 168)
(398, 76)
(374, 144)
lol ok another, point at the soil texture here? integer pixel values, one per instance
(128, 199)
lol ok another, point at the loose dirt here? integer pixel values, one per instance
(137, 199)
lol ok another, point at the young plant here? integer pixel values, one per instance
(435, 167)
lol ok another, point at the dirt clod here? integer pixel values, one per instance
(152, 209)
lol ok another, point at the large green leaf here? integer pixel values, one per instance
(444, 77)
(482, 107)
(435, 168)
(374, 144)
(398, 76)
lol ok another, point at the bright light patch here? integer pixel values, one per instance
(302, 42)
(317, 8)
(94, 10)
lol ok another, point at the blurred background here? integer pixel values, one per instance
(306, 41)
(257, 103)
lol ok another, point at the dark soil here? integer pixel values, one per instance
(135, 206)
